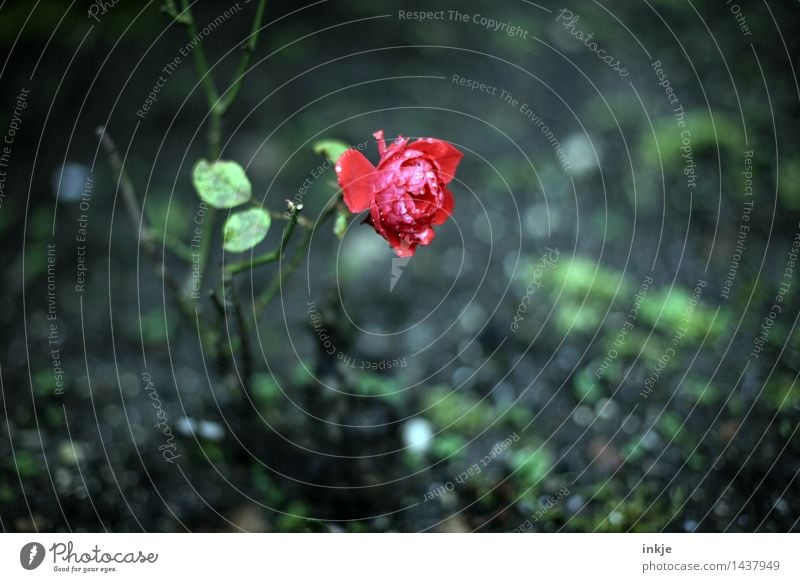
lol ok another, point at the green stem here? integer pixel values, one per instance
(177, 247)
(146, 240)
(244, 336)
(201, 62)
(205, 242)
(218, 106)
(283, 274)
(272, 256)
(233, 92)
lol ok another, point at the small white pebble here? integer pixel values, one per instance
(417, 435)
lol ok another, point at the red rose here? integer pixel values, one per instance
(406, 194)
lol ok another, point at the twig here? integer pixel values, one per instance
(233, 92)
(212, 95)
(125, 185)
(244, 336)
(272, 256)
(222, 350)
(139, 221)
(177, 247)
(218, 106)
(282, 274)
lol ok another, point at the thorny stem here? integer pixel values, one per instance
(146, 242)
(218, 105)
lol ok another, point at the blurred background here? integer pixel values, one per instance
(602, 338)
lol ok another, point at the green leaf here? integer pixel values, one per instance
(246, 229)
(221, 184)
(330, 148)
(340, 226)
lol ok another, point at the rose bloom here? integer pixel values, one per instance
(406, 194)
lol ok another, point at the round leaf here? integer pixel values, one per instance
(340, 226)
(246, 229)
(221, 184)
(331, 149)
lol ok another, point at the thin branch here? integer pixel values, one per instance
(146, 242)
(233, 92)
(218, 106)
(177, 247)
(125, 186)
(297, 257)
(212, 95)
(272, 256)
(223, 351)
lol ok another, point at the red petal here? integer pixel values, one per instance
(378, 135)
(355, 174)
(444, 154)
(445, 210)
(396, 146)
(404, 249)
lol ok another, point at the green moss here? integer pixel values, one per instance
(448, 446)
(789, 189)
(705, 136)
(154, 330)
(670, 425)
(531, 466)
(266, 390)
(211, 450)
(264, 484)
(293, 520)
(44, 383)
(301, 374)
(26, 464)
(782, 393)
(670, 312)
(640, 344)
(646, 510)
(582, 277)
(369, 384)
(571, 317)
(699, 390)
(585, 387)
(633, 451)
(457, 411)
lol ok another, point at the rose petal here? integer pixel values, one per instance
(445, 210)
(398, 145)
(445, 155)
(404, 249)
(356, 175)
(378, 135)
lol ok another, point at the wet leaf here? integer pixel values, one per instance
(340, 226)
(246, 229)
(221, 184)
(330, 148)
